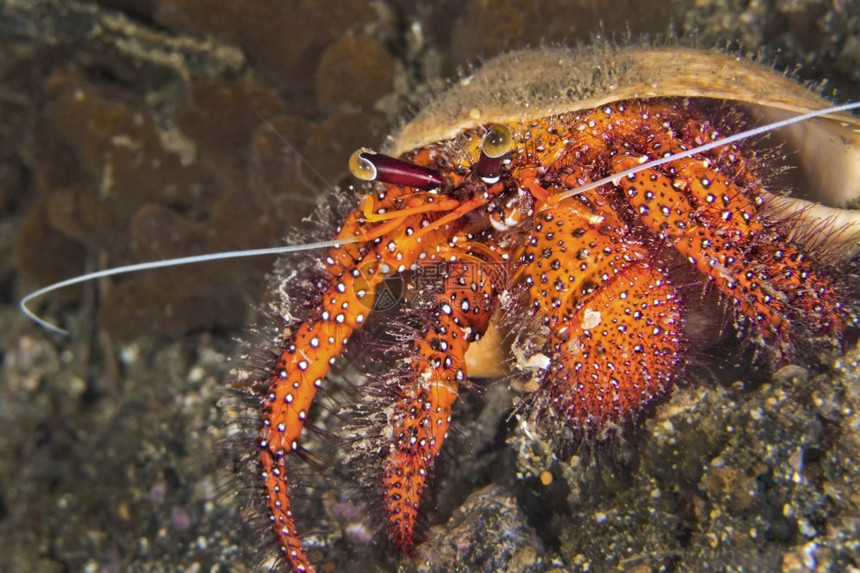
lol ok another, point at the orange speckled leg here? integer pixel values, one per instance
(354, 271)
(614, 318)
(421, 413)
(299, 371)
(720, 230)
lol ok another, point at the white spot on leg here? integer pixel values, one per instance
(590, 319)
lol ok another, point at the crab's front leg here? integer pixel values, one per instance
(353, 273)
(420, 415)
(298, 373)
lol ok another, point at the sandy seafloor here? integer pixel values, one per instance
(134, 130)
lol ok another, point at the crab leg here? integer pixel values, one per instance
(355, 271)
(298, 372)
(421, 412)
(721, 231)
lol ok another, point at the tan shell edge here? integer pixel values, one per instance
(530, 84)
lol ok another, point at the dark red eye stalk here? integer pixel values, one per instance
(495, 145)
(368, 165)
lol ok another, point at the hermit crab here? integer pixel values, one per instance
(592, 296)
(537, 237)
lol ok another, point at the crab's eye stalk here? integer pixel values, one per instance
(495, 145)
(368, 165)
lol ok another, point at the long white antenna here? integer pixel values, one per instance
(166, 263)
(707, 147)
(325, 244)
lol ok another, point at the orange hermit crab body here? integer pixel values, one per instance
(594, 288)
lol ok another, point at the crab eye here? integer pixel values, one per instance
(360, 166)
(496, 143)
(368, 165)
